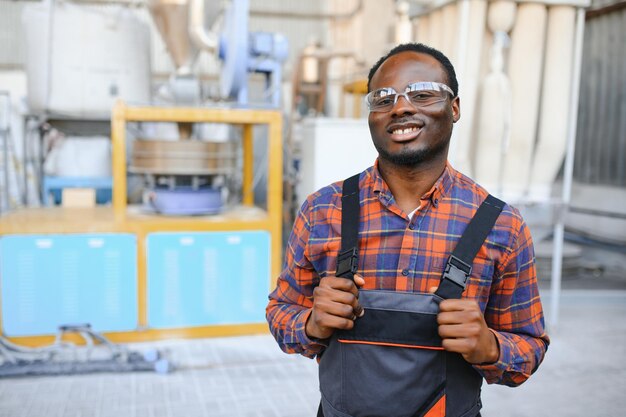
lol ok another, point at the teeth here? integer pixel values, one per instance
(404, 131)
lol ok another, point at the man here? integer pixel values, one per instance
(413, 208)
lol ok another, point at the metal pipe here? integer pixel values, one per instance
(302, 15)
(599, 213)
(461, 55)
(207, 40)
(557, 254)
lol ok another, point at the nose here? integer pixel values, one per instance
(403, 105)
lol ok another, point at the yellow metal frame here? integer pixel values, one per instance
(358, 89)
(121, 219)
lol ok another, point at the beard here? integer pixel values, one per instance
(407, 157)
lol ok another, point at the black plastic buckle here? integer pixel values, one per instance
(347, 263)
(457, 271)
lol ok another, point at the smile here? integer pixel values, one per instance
(404, 131)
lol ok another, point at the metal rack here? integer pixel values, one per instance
(269, 220)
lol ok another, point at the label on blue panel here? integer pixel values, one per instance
(47, 281)
(207, 278)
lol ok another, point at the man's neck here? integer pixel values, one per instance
(409, 184)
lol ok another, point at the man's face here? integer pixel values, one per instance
(407, 135)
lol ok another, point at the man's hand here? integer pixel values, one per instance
(463, 330)
(335, 306)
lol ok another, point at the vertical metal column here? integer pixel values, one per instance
(5, 114)
(557, 254)
(248, 166)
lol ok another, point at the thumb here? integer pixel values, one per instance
(432, 290)
(359, 280)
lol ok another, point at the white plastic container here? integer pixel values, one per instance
(333, 149)
(81, 58)
(80, 157)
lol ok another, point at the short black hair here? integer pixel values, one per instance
(422, 49)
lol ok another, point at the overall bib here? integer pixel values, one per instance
(392, 364)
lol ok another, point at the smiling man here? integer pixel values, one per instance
(401, 323)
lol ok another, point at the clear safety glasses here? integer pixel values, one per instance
(420, 94)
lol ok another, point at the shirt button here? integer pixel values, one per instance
(405, 272)
(411, 226)
(436, 202)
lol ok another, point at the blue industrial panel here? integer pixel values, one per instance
(48, 280)
(197, 279)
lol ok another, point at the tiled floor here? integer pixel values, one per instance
(243, 376)
(584, 374)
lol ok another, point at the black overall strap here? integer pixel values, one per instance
(459, 266)
(348, 258)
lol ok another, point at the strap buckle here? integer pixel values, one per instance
(347, 263)
(457, 271)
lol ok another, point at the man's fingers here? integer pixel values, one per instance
(333, 295)
(451, 317)
(358, 311)
(322, 325)
(341, 290)
(460, 317)
(359, 280)
(335, 322)
(457, 345)
(455, 304)
(335, 306)
(335, 309)
(457, 331)
(341, 284)
(335, 316)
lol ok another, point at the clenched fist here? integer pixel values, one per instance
(463, 330)
(335, 306)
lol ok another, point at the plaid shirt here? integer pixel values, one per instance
(402, 254)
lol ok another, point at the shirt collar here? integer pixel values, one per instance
(442, 186)
(437, 192)
(378, 184)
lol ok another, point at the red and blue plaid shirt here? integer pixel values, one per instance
(409, 254)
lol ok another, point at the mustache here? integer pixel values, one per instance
(410, 119)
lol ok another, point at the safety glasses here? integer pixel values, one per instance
(419, 94)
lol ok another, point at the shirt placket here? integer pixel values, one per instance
(407, 262)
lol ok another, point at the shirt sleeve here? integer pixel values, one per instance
(291, 302)
(515, 315)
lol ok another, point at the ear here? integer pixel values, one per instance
(456, 109)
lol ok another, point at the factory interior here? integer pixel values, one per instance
(154, 154)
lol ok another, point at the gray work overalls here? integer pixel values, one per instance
(391, 364)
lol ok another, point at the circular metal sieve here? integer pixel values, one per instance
(185, 157)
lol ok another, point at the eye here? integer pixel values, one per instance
(384, 101)
(423, 95)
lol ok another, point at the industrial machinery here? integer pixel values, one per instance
(182, 176)
(63, 357)
(196, 257)
(194, 175)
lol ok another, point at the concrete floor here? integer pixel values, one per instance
(583, 375)
(584, 372)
